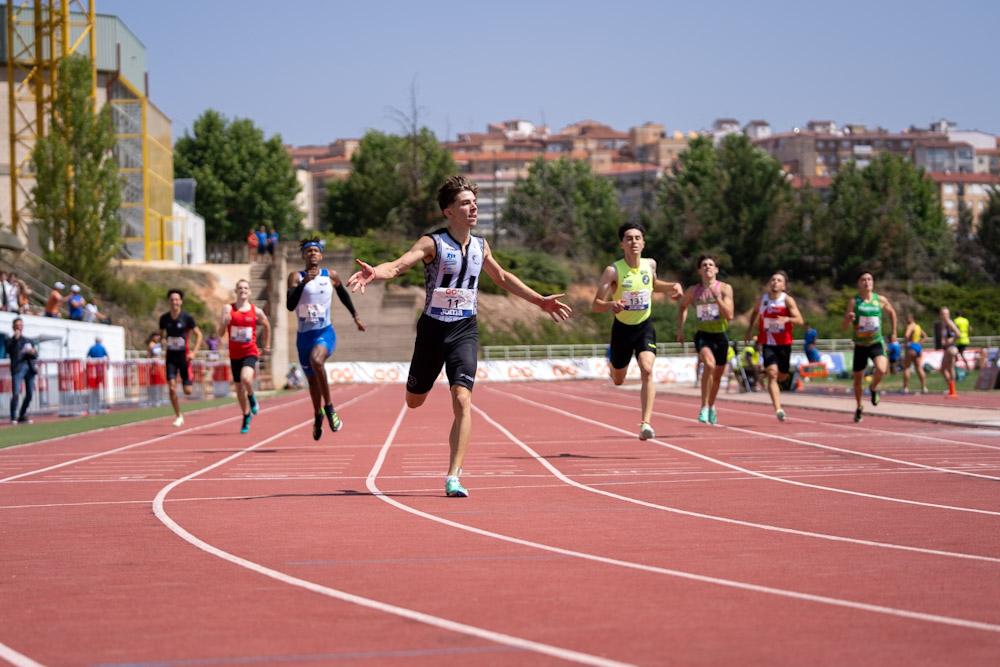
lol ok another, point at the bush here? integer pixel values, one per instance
(980, 304)
(538, 270)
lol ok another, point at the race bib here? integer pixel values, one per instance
(707, 311)
(241, 334)
(176, 343)
(636, 300)
(453, 302)
(310, 312)
(772, 325)
(868, 324)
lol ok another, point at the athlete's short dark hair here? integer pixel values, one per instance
(451, 188)
(176, 291)
(958, 313)
(862, 273)
(703, 257)
(630, 225)
(781, 273)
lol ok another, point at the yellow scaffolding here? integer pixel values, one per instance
(39, 35)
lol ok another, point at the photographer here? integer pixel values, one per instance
(22, 352)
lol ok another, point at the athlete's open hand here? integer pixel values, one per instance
(556, 309)
(360, 279)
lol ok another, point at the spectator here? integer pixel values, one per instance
(252, 242)
(212, 343)
(54, 303)
(812, 352)
(92, 314)
(751, 364)
(154, 345)
(12, 290)
(272, 242)
(23, 298)
(3, 292)
(97, 350)
(262, 244)
(22, 352)
(962, 342)
(75, 303)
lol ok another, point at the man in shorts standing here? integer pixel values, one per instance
(239, 321)
(949, 337)
(310, 296)
(864, 317)
(713, 302)
(626, 289)
(447, 333)
(962, 342)
(176, 326)
(775, 315)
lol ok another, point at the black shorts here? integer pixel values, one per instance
(177, 364)
(961, 348)
(236, 366)
(717, 342)
(454, 345)
(862, 353)
(778, 355)
(629, 339)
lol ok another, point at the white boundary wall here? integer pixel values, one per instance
(67, 339)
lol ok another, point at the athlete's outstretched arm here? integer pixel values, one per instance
(794, 312)
(682, 312)
(508, 281)
(892, 316)
(753, 320)
(423, 249)
(605, 289)
(266, 323)
(227, 311)
(345, 298)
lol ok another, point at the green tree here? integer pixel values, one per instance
(244, 180)
(77, 189)
(988, 235)
(731, 201)
(392, 186)
(566, 209)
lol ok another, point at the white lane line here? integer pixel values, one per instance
(123, 448)
(807, 443)
(728, 583)
(344, 596)
(711, 517)
(782, 480)
(17, 659)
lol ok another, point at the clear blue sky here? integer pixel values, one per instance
(318, 70)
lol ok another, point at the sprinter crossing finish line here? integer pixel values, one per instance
(447, 333)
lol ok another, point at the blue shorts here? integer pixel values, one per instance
(916, 348)
(307, 340)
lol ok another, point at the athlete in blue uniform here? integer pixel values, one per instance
(310, 293)
(447, 334)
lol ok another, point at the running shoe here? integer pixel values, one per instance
(875, 397)
(454, 489)
(246, 423)
(179, 421)
(646, 431)
(331, 416)
(857, 414)
(254, 408)
(25, 420)
(780, 414)
(318, 426)
(703, 415)
(713, 417)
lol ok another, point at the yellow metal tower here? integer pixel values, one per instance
(39, 34)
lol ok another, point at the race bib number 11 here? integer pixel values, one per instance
(453, 302)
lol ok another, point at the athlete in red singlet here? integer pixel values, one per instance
(240, 321)
(776, 313)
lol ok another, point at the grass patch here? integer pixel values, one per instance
(25, 433)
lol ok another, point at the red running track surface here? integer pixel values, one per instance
(815, 541)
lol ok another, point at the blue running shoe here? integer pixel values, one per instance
(703, 415)
(254, 408)
(713, 418)
(454, 489)
(246, 423)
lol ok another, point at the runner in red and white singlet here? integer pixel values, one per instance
(776, 314)
(239, 322)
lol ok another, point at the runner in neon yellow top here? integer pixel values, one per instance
(962, 322)
(626, 289)
(713, 302)
(864, 316)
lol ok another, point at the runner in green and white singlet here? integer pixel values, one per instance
(626, 289)
(864, 316)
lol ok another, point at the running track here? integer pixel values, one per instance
(816, 541)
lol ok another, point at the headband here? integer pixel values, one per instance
(312, 244)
